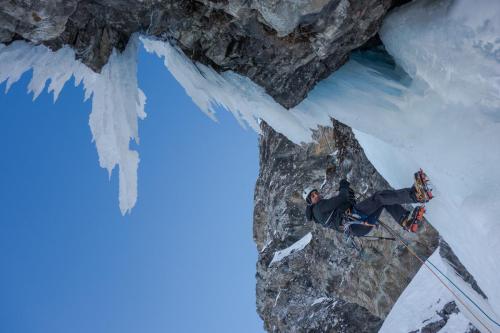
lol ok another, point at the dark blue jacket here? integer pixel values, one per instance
(329, 212)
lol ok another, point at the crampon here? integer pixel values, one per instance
(423, 187)
(414, 219)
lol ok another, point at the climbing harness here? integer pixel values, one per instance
(351, 239)
(425, 263)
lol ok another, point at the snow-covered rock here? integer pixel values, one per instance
(295, 247)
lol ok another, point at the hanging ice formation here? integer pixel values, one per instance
(117, 101)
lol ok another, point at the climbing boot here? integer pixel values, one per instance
(413, 219)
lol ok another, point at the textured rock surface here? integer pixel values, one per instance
(326, 269)
(286, 46)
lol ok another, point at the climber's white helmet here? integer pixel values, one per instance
(306, 192)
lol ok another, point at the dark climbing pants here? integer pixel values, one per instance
(391, 200)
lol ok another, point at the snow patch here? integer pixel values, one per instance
(320, 300)
(456, 323)
(295, 247)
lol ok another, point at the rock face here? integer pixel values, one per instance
(326, 286)
(286, 46)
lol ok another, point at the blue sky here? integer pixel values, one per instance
(182, 261)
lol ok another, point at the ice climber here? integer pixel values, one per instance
(335, 211)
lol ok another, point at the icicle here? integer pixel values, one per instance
(117, 101)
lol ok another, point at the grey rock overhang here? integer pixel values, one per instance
(285, 46)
